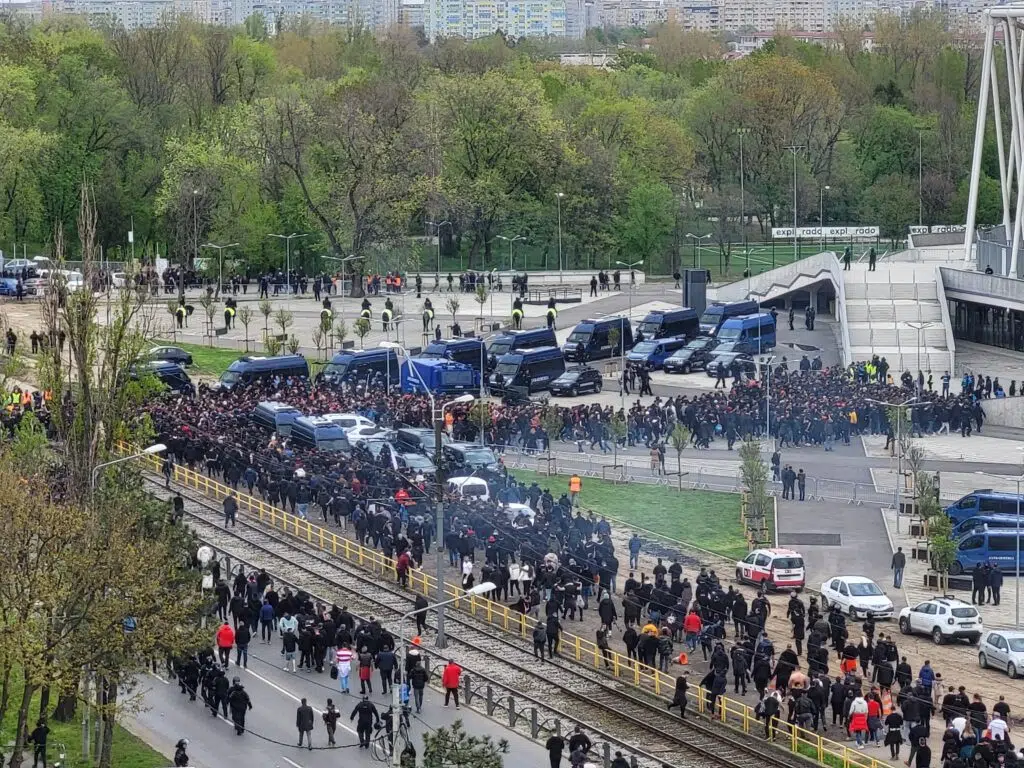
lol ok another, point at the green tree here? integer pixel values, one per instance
(680, 438)
(754, 473)
(891, 202)
(454, 747)
(647, 223)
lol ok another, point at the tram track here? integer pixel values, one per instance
(609, 707)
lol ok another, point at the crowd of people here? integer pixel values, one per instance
(558, 563)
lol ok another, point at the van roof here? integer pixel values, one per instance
(604, 321)
(364, 353)
(460, 342)
(318, 422)
(734, 322)
(542, 331)
(264, 363)
(671, 313)
(990, 493)
(273, 407)
(534, 353)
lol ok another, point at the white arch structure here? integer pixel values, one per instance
(1005, 22)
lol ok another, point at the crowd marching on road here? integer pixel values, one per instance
(557, 563)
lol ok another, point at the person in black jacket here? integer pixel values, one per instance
(240, 703)
(304, 723)
(679, 698)
(368, 716)
(579, 740)
(555, 745)
(242, 638)
(418, 682)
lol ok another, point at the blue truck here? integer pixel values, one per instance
(439, 376)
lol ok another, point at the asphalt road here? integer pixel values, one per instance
(271, 739)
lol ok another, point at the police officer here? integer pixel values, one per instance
(368, 716)
(239, 702)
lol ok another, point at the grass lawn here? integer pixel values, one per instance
(704, 519)
(128, 750)
(208, 361)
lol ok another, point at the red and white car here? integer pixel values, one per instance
(773, 569)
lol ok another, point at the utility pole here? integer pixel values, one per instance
(795, 149)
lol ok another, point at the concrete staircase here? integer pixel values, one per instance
(894, 309)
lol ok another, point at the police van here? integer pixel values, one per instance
(514, 341)
(362, 365)
(531, 370)
(252, 368)
(320, 433)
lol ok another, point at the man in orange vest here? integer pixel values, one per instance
(575, 486)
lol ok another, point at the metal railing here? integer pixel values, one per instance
(733, 713)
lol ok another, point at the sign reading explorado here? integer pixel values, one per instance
(938, 229)
(830, 233)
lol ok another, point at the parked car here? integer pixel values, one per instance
(692, 357)
(857, 596)
(944, 618)
(772, 568)
(744, 362)
(576, 380)
(171, 354)
(1002, 649)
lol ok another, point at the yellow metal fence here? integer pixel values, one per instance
(730, 711)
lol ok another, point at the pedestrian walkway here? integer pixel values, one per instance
(953, 447)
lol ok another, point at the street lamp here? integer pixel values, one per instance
(1016, 581)
(150, 451)
(795, 149)
(351, 257)
(766, 375)
(396, 705)
(821, 213)
(220, 262)
(558, 198)
(622, 328)
(919, 326)
(510, 240)
(288, 256)
(437, 415)
(908, 403)
(437, 225)
(741, 132)
(696, 247)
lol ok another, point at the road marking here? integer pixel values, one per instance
(165, 682)
(293, 697)
(290, 762)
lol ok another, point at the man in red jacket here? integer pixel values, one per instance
(450, 680)
(225, 642)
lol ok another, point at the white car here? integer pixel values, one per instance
(1002, 649)
(856, 596)
(349, 421)
(363, 431)
(944, 618)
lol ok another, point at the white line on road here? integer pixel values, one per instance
(293, 697)
(290, 762)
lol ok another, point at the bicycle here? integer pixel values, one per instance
(381, 744)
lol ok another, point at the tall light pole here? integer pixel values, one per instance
(351, 257)
(396, 704)
(150, 451)
(437, 226)
(795, 149)
(220, 262)
(558, 198)
(696, 247)
(437, 415)
(622, 328)
(511, 242)
(821, 213)
(919, 326)
(741, 132)
(288, 257)
(766, 376)
(908, 403)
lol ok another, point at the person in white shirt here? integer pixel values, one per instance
(998, 728)
(959, 723)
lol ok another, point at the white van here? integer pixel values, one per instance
(469, 487)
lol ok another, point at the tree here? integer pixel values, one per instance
(266, 309)
(340, 332)
(272, 344)
(455, 748)
(680, 438)
(246, 316)
(892, 203)
(754, 473)
(480, 297)
(284, 320)
(618, 428)
(647, 224)
(209, 305)
(453, 307)
(362, 329)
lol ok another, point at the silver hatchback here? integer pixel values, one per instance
(1003, 650)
